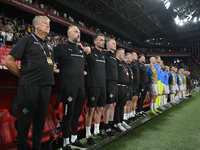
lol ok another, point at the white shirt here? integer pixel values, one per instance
(9, 36)
(3, 33)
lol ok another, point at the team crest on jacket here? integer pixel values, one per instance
(70, 99)
(111, 96)
(93, 98)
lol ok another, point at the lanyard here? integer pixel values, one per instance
(41, 46)
(130, 70)
(125, 69)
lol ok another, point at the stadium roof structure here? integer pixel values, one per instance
(143, 19)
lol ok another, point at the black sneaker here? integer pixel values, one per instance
(115, 129)
(90, 141)
(144, 113)
(108, 132)
(133, 119)
(100, 135)
(67, 147)
(127, 121)
(138, 116)
(78, 145)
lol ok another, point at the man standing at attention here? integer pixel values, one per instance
(35, 80)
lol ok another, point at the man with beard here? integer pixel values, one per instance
(71, 60)
(96, 83)
(111, 88)
(136, 82)
(143, 84)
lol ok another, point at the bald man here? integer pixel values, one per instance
(71, 58)
(153, 86)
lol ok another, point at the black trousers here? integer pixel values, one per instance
(143, 91)
(73, 102)
(33, 101)
(119, 108)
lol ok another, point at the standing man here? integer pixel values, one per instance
(166, 86)
(172, 85)
(96, 83)
(143, 86)
(184, 83)
(111, 87)
(35, 80)
(153, 86)
(2, 40)
(176, 88)
(189, 85)
(128, 107)
(180, 83)
(71, 60)
(159, 75)
(136, 82)
(123, 81)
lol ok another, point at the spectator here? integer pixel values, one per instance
(1, 23)
(36, 3)
(30, 1)
(15, 39)
(8, 26)
(3, 32)
(65, 15)
(2, 41)
(9, 36)
(42, 5)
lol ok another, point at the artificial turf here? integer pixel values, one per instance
(178, 128)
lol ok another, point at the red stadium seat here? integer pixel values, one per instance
(7, 130)
(1, 52)
(2, 61)
(2, 48)
(3, 57)
(9, 46)
(8, 49)
(6, 52)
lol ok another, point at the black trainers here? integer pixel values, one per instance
(90, 141)
(133, 119)
(67, 147)
(108, 132)
(100, 135)
(78, 145)
(127, 121)
(144, 114)
(113, 128)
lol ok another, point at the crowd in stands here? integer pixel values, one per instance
(52, 10)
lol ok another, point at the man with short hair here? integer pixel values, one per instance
(123, 81)
(96, 83)
(180, 84)
(189, 86)
(177, 87)
(71, 58)
(35, 80)
(111, 87)
(136, 82)
(128, 107)
(160, 84)
(166, 86)
(143, 86)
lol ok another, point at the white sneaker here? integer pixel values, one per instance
(125, 125)
(119, 125)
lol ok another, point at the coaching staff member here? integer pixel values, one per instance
(136, 82)
(123, 81)
(35, 80)
(96, 83)
(71, 60)
(143, 86)
(111, 87)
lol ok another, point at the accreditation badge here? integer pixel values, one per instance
(49, 61)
